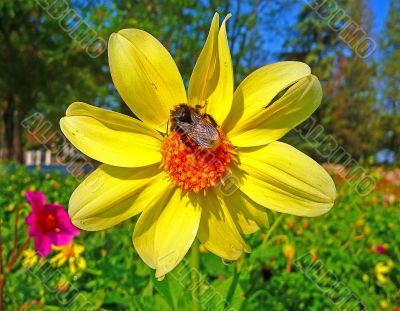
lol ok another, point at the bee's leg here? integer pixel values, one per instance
(167, 126)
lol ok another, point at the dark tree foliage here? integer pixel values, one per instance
(390, 82)
(42, 69)
(328, 38)
(45, 65)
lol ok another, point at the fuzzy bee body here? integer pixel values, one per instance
(199, 128)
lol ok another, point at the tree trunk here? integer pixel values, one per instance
(8, 119)
(18, 155)
(2, 283)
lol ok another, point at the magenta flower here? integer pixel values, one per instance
(48, 223)
(381, 249)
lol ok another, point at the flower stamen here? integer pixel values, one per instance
(192, 167)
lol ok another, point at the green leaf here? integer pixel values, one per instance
(170, 288)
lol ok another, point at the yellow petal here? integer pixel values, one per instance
(81, 263)
(295, 106)
(111, 195)
(211, 83)
(58, 259)
(72, 267)
(252, 99)
(165, 232)
(284, 179)
(111, 137)
(145, 76)
(247, 215)
(217, 231)
(78, 249)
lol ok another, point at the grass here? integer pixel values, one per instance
(335, 261)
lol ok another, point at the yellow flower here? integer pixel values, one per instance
(381, 271)
(365, 277)
(384, 304)
(72, 253)
(63, 285)
(289, 251)
(29, 258)
(204, 165)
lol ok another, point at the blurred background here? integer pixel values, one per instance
(53, 53)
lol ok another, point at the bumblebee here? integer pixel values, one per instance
(200, 128)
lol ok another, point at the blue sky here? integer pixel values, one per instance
(380, 9)
(274, 41)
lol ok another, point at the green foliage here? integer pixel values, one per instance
(390, 81)
(349, 111)
(340, 245)
(45, 66)
(41, 68)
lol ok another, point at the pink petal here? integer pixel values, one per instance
(70, 228)
(30, 219)
(31, 222)
(60, 238)
(42, 245)
(63, 220)
(34, 230)
(36, 199)
(54, 206)
(57, 209)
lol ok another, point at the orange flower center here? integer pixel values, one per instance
(68, 250)
(194, 168)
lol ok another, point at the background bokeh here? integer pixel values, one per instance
(53, 53)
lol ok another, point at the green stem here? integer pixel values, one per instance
(18, 255)
(235, 280)
(195, 271)
(14, 248)
(232, 288)
(272, 228)
(2, 276)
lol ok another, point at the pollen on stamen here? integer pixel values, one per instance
(193, 168)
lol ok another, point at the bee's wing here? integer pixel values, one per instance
(201, 141)
(196, 118)
(211, 131)
(184, 127)
(204, 135)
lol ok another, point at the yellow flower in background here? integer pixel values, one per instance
(204, 164)
(382, 270)
(72, 253)
(63, 285)
(30, 258)
(289, 251)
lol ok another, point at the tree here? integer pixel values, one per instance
(182, 26)
(44, 67)
(355, 115)
(41, 66)
(390, 73)
(323, 38)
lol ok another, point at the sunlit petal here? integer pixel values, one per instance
(211, 83)
(281, 178)
(295, 106)
(111, 195)
(247, 215)
(254, 120)
(217, 231)
(145, 76)
(111, 137)
(165, 232)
